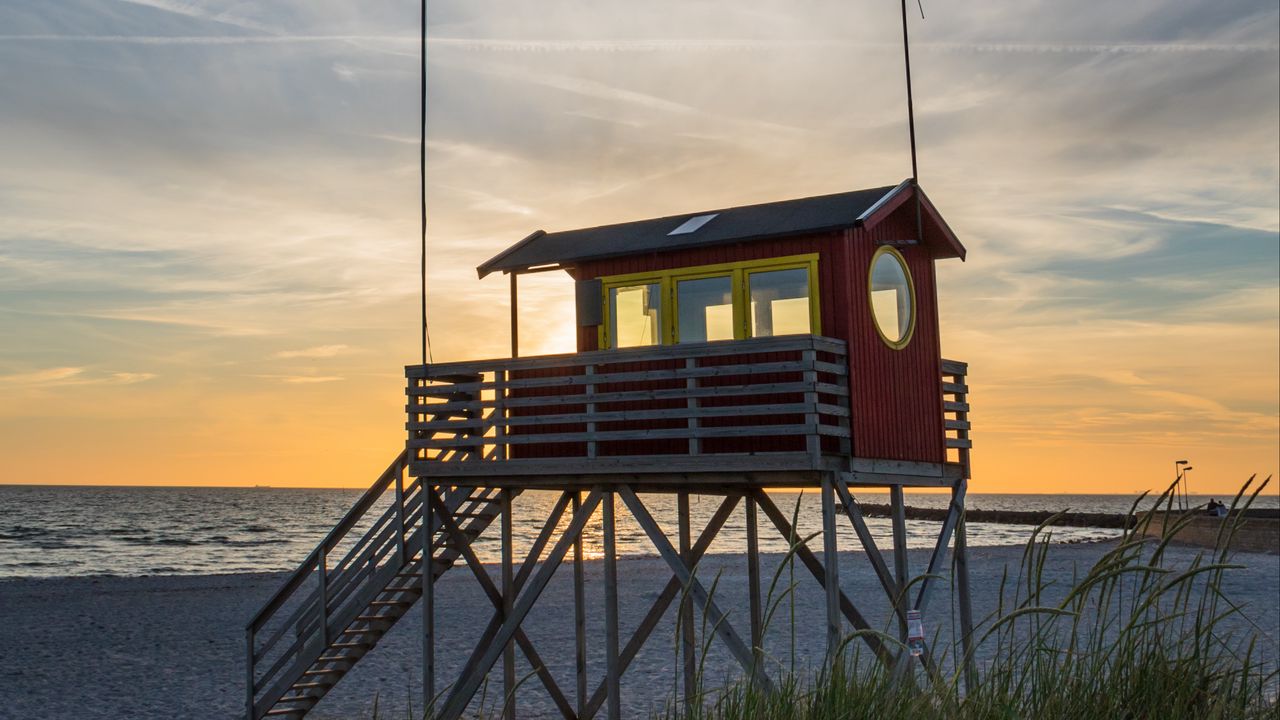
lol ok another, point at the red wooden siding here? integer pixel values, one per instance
(896, 396)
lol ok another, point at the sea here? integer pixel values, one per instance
(59, 531)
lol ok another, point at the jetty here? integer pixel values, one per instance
(1010, 517)
(1255, 529)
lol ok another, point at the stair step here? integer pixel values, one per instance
(309, 685)
(338, 658)
(313, 699)
(363, 631)
(329, 671)
(361, 645)
(277, 712)
(390, 603)
(375, 618)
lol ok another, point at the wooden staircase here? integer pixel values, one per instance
(329, 615)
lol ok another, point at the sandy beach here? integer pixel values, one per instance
(173, 647)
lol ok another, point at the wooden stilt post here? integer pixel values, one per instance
(854, 512)
(717, 619)
(426, 490)
(515, 316)
(810, 561)
(508, 598)
(687, 639)
(660, 605)
(831, 563)
(966, 607)
(940, 549)
(474, 672)
(900, 568)
(753, 582)
(611, 609)
(579, 615)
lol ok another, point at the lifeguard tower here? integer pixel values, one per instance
(792, 344)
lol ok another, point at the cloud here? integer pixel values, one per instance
(319, 351)
(193, 186)
(73, 376)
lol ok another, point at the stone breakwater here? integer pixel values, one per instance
(1010, 517)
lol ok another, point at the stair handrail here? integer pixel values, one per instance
(334, 536)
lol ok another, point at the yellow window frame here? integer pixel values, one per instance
(911, 290)
(740, 275)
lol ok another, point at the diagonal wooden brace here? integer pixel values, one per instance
(660, 605)
(954, 512)
(522, 575)
(474, 675)
(854, 512)
(810, 561)
(495, 597)
(720, 622)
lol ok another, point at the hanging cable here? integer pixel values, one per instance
(422, 176)
(911, 120)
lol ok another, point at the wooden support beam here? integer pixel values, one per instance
(753, 582)
(474, 675)
(515, 317)
(718, 619)
(508, 599)
(429, 525)
(612, 672)
(579, 616)
(811, 562)
(831, 561)
(900, 567)
(954, 512)
(660, 605)
(522, 575)
(688, 642)
(854, 512)
(463, 545)
(966, 607)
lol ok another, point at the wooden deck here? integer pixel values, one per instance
(761, 412)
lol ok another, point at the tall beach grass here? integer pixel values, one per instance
(1133, 637)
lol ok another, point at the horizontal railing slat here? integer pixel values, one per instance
(605, 398)
(597, 379)
(718, 411)
(612, 435)
(632, 355)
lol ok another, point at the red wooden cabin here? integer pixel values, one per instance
(789, 344)
(794, 336)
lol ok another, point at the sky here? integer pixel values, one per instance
(209, 239)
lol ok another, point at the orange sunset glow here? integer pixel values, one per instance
(209, 247)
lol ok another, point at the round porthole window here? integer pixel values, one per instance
(892, 297)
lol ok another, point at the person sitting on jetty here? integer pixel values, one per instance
(1216, 508)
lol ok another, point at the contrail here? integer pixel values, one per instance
(522, 46)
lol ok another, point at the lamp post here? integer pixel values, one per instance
(1186, 492)
(1177, 481)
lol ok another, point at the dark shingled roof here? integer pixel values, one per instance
(749, 222)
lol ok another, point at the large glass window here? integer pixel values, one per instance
(779, 302)
(704, 309)
(635, 315)
(892, 304)
(706, 303)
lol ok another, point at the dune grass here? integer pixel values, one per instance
(1132, 638)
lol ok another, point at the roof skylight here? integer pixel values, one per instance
(693, 224)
